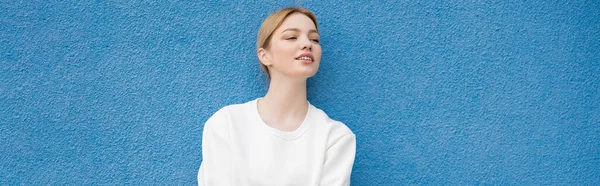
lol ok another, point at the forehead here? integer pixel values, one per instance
(299, 21)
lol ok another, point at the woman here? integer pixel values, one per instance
(280, 139)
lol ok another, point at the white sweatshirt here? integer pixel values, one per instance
(238, 148)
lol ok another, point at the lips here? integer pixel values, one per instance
(305, 57)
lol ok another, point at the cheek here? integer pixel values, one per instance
(283, 51)
(317, 51)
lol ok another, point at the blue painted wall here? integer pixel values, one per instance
(437, 92)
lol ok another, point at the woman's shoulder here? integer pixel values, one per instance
(335, 127)
(233, 108)
(224, 114)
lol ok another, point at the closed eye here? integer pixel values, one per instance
(291, 38)
(315, 40)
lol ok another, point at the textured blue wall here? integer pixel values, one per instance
(437, 92)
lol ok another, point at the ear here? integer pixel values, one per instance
(264, 57)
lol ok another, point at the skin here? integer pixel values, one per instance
(285, 106)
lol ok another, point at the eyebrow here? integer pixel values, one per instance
(298, 30)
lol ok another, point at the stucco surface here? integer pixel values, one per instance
(437, 92)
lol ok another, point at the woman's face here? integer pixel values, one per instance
(294, 49)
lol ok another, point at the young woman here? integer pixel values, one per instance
(280, 139)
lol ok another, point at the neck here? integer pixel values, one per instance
(285, 105)
(286, 96)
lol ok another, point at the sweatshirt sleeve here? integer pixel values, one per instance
(339, 160)
(215, 168)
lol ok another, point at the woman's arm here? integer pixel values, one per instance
(216, 153)
(339, 160)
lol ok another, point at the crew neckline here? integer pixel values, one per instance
(292, 135)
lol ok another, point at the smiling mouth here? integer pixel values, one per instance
(304, 58)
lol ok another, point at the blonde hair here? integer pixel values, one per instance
(271, 23)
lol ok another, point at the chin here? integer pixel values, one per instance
(307, 73)
(303, 75)
(301, 72)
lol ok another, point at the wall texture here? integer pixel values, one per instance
(437, 92)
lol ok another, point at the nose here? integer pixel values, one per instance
(306, 44)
